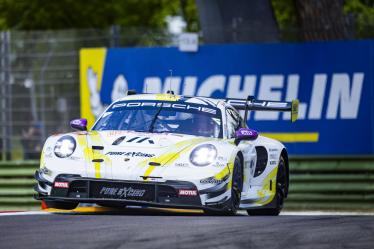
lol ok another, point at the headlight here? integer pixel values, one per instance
(203, 155)
(65, 146)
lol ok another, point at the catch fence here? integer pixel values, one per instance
(39, 81)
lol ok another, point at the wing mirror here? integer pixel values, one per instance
(79, 124)
(245, 134)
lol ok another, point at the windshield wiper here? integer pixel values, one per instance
(155, 118)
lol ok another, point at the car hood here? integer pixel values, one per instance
(135, 155)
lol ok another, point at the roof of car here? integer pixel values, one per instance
(172, 97)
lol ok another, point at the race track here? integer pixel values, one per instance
(155, 229)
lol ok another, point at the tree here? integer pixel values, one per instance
(362, 11)
(321, 19)
(324, 19)
(66, 14)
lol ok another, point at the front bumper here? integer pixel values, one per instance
(118, 192)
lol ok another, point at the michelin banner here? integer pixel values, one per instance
(334, 82)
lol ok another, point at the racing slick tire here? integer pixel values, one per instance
(61, 205)
(282, 185)
(233, 203)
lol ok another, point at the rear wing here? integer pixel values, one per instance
(251, 104)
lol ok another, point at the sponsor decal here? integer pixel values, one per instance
(198, 108)
(133, 140)
(61, 185)
(273, 150)
(210, 181)
(182, 164)
(129, 154)
(273, 156)
(74, 158)
(273, 162)
(219, 164)
(187, 192)
(222, 158)
(122, 192)
(115, 133)
(48, 155)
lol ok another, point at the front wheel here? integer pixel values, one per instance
(280, 195)
(236, 191)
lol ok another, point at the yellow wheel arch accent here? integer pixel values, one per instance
(271, 178)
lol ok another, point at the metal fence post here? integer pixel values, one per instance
(5, 95)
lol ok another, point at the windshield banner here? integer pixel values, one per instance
(334, 82)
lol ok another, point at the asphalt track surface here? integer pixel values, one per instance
(155, 229)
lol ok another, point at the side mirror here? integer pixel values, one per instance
(79, 124)
(245, 134)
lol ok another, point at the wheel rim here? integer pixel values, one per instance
(237, 183)
(281, 182)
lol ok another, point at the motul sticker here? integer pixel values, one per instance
(61, 185)
(187, 192)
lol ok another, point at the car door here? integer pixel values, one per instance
(234, 122)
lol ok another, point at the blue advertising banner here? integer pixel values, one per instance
(333, 81)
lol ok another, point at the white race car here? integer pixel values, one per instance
(166, 150)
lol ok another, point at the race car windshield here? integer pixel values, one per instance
(160, 117)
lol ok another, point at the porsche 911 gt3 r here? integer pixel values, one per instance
(165, 150)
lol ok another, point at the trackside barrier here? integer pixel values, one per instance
(16, 185)
(331, 183)
(315, 184)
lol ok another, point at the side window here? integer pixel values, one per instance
(233, 122)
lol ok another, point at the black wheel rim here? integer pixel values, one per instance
(237, 184)
(281, 182)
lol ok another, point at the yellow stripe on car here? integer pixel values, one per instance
(96, 154)
(170, 156)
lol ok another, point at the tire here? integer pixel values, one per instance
(280, 195)
(61, 205)
(233, 203)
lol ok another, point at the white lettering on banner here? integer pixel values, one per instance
(189, 85)
(349, 99)
(344, 94)
(154, 85)
(212, 84)
(292, 90)
(268, 86)
(234, 90)
(318, 95)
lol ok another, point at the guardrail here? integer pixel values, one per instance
(315, 184)
(16, 185)
(331, 183)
